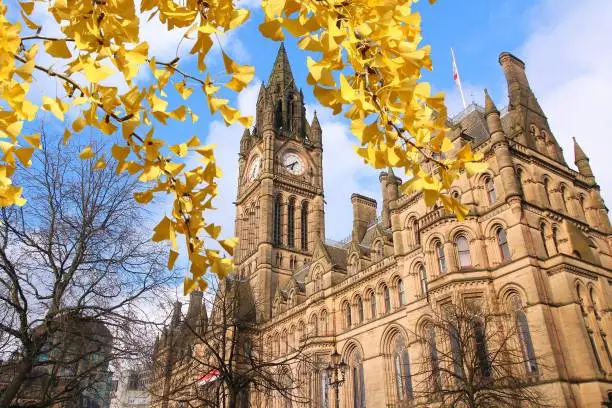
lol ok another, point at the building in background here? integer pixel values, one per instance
(535, 245)
(72, 370)
(131, 389)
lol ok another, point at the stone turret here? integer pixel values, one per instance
(389, 184)
(315, 131)
(501, 149)
(529, 125)
(245, 140)
(582, 162)
(176, 315)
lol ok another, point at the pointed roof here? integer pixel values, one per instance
(315, 121)
(281, 71)
(578, 152)
(489, 104)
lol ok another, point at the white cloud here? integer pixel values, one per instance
(568, 56)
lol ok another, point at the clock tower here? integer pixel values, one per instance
(279, 205)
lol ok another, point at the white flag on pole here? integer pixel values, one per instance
(457, 79)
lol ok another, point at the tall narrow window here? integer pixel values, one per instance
(490, 186)
(324, 389)
(360, 309)
(456, 353)
(347, 315)
(279, 116)
(387, 298)
(555, 237)
(276, 221)
(481, 349)
(401, 366)
(595, 351)
(543, 236)
(356, 370)
(304, 226)
(423, 276)
(289, 112)
(502, 244)
(400, 292)
(417, 233)
(291, 223)
(441, 257)
(546, 192)
(433, 357)
(564, 197)
(373, 305)
(522, 329)
(463, 252)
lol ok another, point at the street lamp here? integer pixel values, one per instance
(336, 372)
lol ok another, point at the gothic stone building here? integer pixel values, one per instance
(536, 242)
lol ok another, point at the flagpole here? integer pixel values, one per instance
(457, 78)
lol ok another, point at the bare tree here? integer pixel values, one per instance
(221, 360)
(475, 357)
(76, 257)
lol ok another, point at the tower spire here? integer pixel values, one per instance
(281, 75)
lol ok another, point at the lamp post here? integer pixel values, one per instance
(336, 372)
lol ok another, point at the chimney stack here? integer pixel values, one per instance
(364, 214)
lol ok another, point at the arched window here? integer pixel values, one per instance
(555, 237)
(358, 383)
(490, 187)
(373, 305)
(522, 329)
(387, 299)
(463, 252)
(416, 232)
(323, 319)
(400, 292)
(543, 236)
(430, 334)
(278, 116)
(276, 221)
(423, 276)
(564, 197)
(401, 368)
(547, 191)
(291, 223)
(441, 257)
(314, 326)
(347, 315)
(502, 244)
(304, 226)
(360, 309)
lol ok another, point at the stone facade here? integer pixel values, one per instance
(537, 233)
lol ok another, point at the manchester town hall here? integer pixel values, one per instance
(535, 246)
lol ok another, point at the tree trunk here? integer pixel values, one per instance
(22, 368)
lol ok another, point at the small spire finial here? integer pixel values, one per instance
(489, 104)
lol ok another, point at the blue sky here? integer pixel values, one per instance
(564, 43)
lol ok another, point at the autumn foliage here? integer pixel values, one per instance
(367, 65)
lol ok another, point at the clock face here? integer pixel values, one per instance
(254, 168)
(293, 163)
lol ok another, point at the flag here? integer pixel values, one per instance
(209, 377)
(457, 79)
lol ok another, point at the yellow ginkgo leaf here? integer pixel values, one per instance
(24, 155)
(58, 49)
(86, 153)
(54, 106)
(172, 258)
(33, 140)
